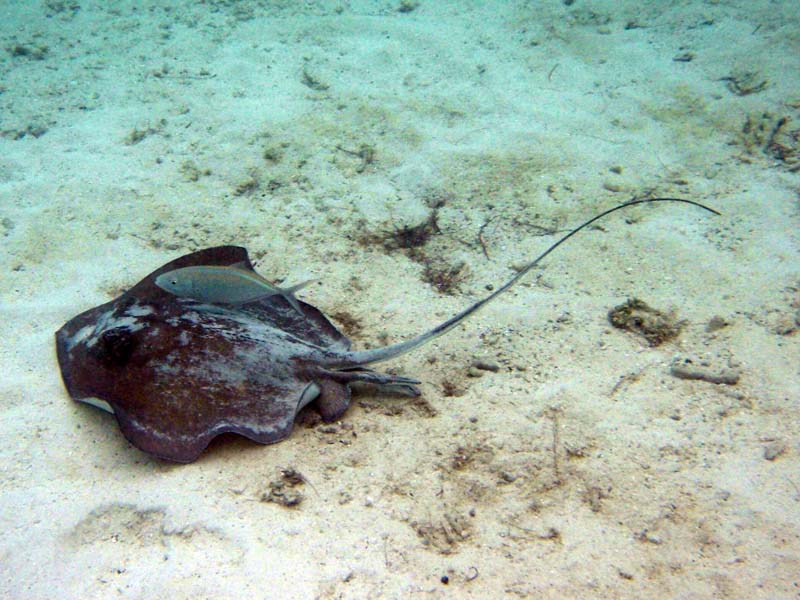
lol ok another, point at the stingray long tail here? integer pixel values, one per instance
(364, 357)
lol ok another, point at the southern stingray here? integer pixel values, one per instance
(177, 371)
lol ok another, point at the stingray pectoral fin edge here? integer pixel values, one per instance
(188, 448)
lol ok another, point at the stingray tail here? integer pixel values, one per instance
(365, 357)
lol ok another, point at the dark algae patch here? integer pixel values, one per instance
(638, 317)
(283, 490)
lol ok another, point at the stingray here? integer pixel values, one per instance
(177, 372)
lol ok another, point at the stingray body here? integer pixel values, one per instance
(176, 372)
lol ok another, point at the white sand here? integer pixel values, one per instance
(582, 468)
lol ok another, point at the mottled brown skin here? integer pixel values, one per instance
(177, 373)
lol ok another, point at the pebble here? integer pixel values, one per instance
(485, 365)
(774, 450)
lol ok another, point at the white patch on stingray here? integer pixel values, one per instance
(79, 336)
(107, 321)
(138, 310)
(97, 403)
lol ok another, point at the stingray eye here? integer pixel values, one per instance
(173, 282)
(114, 347)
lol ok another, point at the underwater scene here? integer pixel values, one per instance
(400, 299)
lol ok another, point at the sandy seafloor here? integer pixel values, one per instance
(313, 133)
